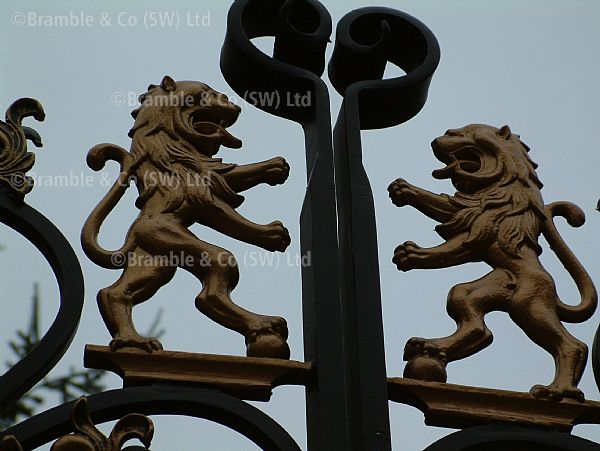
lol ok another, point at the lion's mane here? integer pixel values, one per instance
(510, 211)
(164, 161)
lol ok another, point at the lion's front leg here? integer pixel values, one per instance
(223, 218)
(409, 255)
(272, 172)
(437, 206)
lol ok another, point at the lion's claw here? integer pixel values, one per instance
(268, 325)
(418, 346)
(401, 192)
(279, 326)
(277, 171)
(267, 338)
(146, 344)
(556, 393)
(275, 238)
(406, 255)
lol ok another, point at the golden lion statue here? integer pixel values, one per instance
(496, 216)
(178, 129)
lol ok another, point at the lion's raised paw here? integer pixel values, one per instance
(277, 171)
(407, 256)
(401, 192)
(275, 237)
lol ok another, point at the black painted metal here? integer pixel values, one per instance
(159, 399)
(56, 249)
(596, 357)
(366, 39)
(502, 437)
(248, 70)
(347, 407)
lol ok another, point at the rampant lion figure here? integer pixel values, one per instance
(178, 129)
(496, 216)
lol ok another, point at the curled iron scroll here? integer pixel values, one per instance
(506, 436)
(159, 399)
(37, 229)
(366, 40)
(301, 29)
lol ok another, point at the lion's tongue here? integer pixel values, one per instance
(442, 173)
(229, 140)
(445, 173)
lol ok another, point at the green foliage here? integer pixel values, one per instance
(68, 387)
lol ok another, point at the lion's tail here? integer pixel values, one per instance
(96, 159)
(589, 297)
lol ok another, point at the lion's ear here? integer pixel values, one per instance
(504, 131)
(167, 84)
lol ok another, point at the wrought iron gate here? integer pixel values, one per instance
(344, 373)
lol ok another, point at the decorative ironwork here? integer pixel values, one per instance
(356, 68)
(496, 216)
(504, 436)
(347, 407)
(15, 213)
(15, 161)
(178, 129)
(301, 31)
(164, 399)
(88, 438)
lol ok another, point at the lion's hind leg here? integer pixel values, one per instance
(217, 269)
(140, 280)
(535, 312)
(467, 305)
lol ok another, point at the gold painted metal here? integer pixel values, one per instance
(496, 216)
(15, 161)
(88, 438)
(244, 377)
(10, 443)
(459, 406)
(178, 129)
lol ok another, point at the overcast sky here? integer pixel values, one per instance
(530, 64)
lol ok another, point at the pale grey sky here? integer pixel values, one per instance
(530, 64)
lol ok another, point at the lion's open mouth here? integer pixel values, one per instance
(210, 121)
(466, 159)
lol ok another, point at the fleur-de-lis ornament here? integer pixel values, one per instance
(88, 438)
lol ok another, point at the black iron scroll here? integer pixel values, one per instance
(301, 30)
(505, 436)
(159, 399)
(348, 406)
(15, 213)
(366, 40)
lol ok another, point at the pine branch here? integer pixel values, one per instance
(69, 387)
